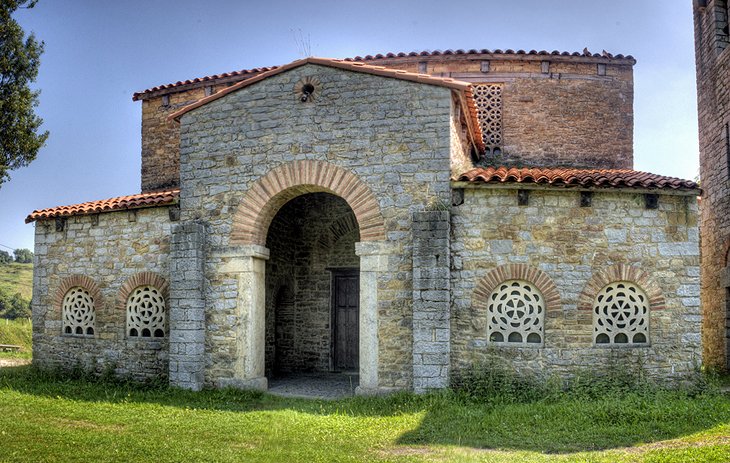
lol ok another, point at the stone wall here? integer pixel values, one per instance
(392, 135)
(310, 235)
(713, 99)
(109, 255)
(544, 110)
(569, 253)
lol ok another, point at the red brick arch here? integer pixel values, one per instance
(141, 279)
(621, 272)
(524, 272)
(81, 281)
(264, 199)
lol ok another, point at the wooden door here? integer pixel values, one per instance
(346, 318)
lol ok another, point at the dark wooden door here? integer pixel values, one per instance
(346, 314)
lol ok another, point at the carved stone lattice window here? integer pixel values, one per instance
(79, 315)
(621, 315)
(488, 99)
(146, 313)
(516, 314)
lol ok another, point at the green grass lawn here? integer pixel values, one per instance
(49, 418)
(17, 278)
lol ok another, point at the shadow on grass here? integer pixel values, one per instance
(558, 425)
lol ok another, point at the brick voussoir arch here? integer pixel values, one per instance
(141, 279)
(73, 281)
(285, 182)
(495, 277)
(621, 272)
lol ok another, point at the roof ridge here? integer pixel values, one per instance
(390, 55)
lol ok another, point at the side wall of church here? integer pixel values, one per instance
(561, 248)
(713, 99)
(106, 255)
(392, 134)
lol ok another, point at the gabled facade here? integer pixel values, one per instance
(331, 215)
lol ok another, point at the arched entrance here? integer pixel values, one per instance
(260, 206)
(312, 286)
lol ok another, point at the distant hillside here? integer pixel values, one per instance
(17, 278)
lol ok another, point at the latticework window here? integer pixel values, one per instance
(488, 99)
(516, 314)
(621, 315)
(78, 313)
(146, 313)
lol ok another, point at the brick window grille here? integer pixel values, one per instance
(516, 314)
(488, 99)
(78, 312)
(146, 313)
(621, 315)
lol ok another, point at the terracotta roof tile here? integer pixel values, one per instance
(464, 88)
(158, 198)
(252, 72)
(566, 177)
(585, 53)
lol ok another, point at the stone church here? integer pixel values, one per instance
(397, 217)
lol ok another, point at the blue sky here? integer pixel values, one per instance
(100, 52)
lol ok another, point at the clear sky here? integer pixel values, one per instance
(99, 52)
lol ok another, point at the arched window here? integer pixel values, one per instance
(78, 312)
(621, 315)
(146, 313)
(516, 314)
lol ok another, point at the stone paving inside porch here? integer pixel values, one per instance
(314, 385)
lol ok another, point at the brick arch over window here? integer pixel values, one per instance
(621, 272)
(264, 199)
(141, 279)
(73, 281)
(537, 277)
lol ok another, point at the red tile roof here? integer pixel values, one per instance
(584, 54)
(464, 88)
(566, 177)
(243, 73)
(157, 198)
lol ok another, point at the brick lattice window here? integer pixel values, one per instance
(146, 313)
(78, 312)
(488, 99)
(516, 314)
(621, 315)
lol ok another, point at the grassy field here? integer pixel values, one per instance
(17, 278)
(49, 418)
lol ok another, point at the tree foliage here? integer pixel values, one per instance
(20, 137)
(23, 256)
(5, 257)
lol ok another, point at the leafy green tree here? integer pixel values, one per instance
(23, 256)
(20, 137)
(5, 257)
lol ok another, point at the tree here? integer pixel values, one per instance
(20, 138)
(5, 257)
(23, 256)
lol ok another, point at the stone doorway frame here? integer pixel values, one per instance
(248, 260)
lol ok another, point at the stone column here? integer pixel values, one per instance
(248, 263)
(187, 306)
(373, 261)
(431, 300)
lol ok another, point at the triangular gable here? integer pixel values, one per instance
(462, 89)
